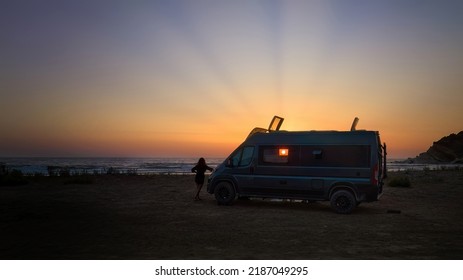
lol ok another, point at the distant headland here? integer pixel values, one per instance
(449, 149)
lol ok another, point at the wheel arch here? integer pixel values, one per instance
(343, 186)
(227, 179)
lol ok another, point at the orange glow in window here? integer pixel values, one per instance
(283, 152)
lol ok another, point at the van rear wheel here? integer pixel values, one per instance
(343, 202)
(224, 193)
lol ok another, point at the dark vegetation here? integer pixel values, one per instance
(14, 177)
(400, 181)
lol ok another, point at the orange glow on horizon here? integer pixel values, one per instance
(178, 80)
(206, 139)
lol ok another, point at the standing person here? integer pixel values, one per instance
(200, 168)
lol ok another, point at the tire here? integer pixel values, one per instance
(343, 202)
(224, 193)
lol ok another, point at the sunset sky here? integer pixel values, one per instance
(192, 78)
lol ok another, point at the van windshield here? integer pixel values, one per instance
(242, 157)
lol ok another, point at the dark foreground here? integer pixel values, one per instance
(155, 217)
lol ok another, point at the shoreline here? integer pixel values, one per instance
(166, 167)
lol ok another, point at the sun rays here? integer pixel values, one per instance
(145, 79)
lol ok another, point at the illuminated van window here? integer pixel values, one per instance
(273, 155)
(283, 152)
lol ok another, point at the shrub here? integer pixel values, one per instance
(13, 178)
(132, 172)
(64, 172)
(112, 171)
(53, 170)
(402, 182)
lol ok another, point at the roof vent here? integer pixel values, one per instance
(354, 124)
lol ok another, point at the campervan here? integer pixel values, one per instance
(343, 167)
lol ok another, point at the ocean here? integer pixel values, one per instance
(145, 166)
(104, 165)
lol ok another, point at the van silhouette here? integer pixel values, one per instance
(343, 167)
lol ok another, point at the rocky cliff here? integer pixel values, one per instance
(449, 149)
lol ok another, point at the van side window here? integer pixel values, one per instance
(243, 157)
(336, 156)
(279, 155)
(273, 155)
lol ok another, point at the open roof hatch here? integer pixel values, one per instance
(275, 124)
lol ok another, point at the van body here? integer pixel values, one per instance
(343, 167)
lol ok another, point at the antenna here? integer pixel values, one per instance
(354, 124)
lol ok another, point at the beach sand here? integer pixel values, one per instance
(155, 217)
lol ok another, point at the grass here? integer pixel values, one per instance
(400, 182)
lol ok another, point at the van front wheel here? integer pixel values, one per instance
(343, 202)
(224, 193)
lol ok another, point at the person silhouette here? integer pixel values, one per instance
(200, 168)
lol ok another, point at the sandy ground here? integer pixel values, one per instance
(155, 217)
